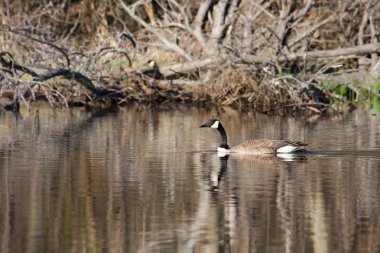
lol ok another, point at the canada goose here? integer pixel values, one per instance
(152, 70)
(255, 147)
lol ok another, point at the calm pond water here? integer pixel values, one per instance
(149, 180)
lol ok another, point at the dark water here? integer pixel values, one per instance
(149, 180)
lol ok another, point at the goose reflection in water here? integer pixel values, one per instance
(218, 173)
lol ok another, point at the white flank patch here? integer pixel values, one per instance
(287, 149)
(215, 125)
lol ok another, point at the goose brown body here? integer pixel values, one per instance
(255, 147)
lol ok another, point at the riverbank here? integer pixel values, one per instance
(244, 90)
(284, 60)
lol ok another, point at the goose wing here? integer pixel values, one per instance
(267, 146)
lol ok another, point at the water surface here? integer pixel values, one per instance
(149, 180)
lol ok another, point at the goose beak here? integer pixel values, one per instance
(204, 125)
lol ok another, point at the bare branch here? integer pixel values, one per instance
(363, 24)
(184, 15)
(310, 31)
(313, 55)
(188, 66)
(130, 37)
(169, 45)
(59, 49)
(198, 20)
(219, 25)
(262, 8)
(357, 50)
(14, 66)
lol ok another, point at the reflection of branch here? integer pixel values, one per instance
(169, 45)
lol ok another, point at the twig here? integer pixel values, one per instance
(310, 31)
(12, 65)
(130, 37)
(262, 9)
(171, 46)
(59, 49)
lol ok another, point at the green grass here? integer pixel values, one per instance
(359, 94)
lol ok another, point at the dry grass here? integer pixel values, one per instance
(238, 40)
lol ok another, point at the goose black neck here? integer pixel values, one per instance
(223, 134)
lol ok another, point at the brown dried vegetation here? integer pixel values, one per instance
(270, 56)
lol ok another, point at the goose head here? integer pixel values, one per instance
(212, 123)
(152, 64)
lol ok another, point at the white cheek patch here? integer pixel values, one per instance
(215, 125)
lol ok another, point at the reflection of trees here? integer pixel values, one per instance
(71, 182)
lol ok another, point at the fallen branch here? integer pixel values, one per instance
(314, 55)
(188, 66)
(69, 74)
(357, 50)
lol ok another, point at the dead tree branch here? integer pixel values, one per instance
(357, 50)
(71, 75)
(166, 42)
(20, 32)
(12, 65)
